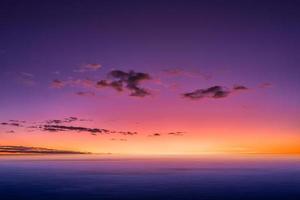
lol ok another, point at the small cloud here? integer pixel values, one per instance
(56, 72)
(11, 124)
(186, 73)
(265, 85)
(214, 92)
(33, 150)
(126, 132)
(62, 125)
(240, 87)
(178, 133)
(85, 83)
(117, 85)
(126, 80)
(89, 67)
(85, 94)
(116, 139)
(11, 131)
(58, 84)
(211, 92)
(155, 135)
(59, 128)
(25, 78)
(65, 120)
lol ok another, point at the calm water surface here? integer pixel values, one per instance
(104, 177)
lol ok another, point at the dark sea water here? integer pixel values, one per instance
(98, 177)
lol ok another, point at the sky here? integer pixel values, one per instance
(151, 77)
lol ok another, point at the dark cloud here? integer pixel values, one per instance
(215, 92)
(59, 128)
(155, 135)
(85, 94)
(126, 80)
(125, 132)
(34, 150)
(178, 133)
(117, 85)
(211, 92)
(240, 87)
(60, 125)
(11, 124)
(65, 120)
(93, 131)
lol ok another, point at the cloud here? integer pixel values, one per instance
(58, 128)
(65, 120)
(34, 150)
(93, 131)
(61, 125)
(11, 131)
(121, 139)
(178, 133)
(125, 132)
(118, 80)
(85, 83)
(214, 92)
(175, 133)
(85, 94)
(89, 67)
(265, 85)
(211, 92)
(11, 124)
(25, 78)
(58, 84)
(126, 80)
(117, 85)
(186, 73)
(154, 135)
(240, 87)
(17, 121)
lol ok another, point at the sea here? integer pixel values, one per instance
(112, 177)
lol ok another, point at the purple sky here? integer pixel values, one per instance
(183, 45)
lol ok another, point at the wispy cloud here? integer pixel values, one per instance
(59, 128)
(33, 150)
(62, 125)
(119, 139)
(58, 84)
(85, 93)
(91, 67)
(211, 92)
(11, 124)
(186, 73)
(265, 85)
(65, 120)
(85, 83)
(24, 78)
(240, 87)
(214, 92)
(178, 133)
(154, 135)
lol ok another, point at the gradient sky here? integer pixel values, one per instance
(220, 76)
